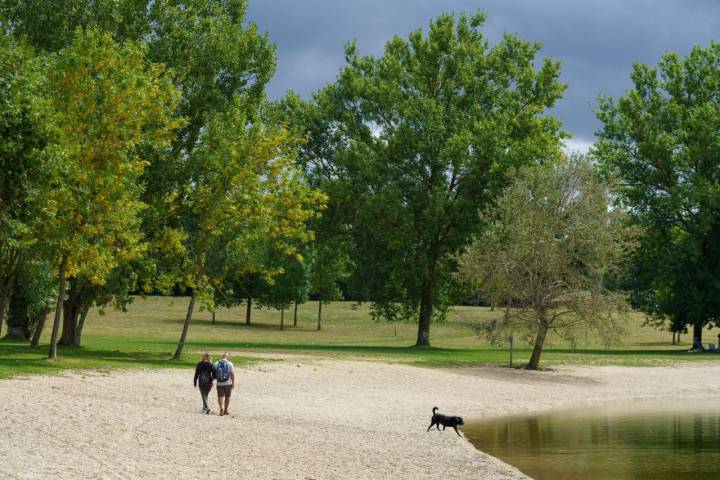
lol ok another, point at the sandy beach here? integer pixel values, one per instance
(297, 418)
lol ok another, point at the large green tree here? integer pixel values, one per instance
(213, 55)
(415, 142)
(662, 142)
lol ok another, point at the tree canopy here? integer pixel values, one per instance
(550, 246)
(413, 143)
(661, 140)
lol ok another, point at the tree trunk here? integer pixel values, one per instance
(71, 314)
(213, 316)
(5, 295)
(181, 343)
(282, 319)
(319, 316)
(248, 311)
(39, 328)
(3, 302)
(426, 307)
(534, 362)
(697, 335)
(79, 328)
(52, 354)
(18, 315)
(295, 315)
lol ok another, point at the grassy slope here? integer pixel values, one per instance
(146, 336)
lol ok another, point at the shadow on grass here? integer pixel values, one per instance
(244, 326)
(17, 358)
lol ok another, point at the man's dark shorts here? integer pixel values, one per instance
(224, 390)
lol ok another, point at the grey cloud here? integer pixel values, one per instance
(597, 41)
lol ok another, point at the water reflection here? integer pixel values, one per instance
(631, 440)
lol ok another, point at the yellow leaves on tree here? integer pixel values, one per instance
(107, 101)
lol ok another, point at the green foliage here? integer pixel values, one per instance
(24, 135)
(550, 244)
(662, 140)
(49, 25)
(413, 143)
(107, 101)
(245, 191)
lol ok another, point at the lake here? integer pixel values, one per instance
(658, 440)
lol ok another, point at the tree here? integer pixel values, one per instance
(49, 26)
(24, 135)
(330, 264)
(245, 190)
(213, 54)
(107, 102)
(32, 298)
(414, 143)
(662, 140)
(290, 286)
(551, 243)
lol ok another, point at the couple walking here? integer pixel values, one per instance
(206, 372)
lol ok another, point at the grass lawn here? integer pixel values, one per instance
(147, 334)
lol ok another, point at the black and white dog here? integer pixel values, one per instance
(445, 420)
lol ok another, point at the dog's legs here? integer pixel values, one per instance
(443, 428)
(431, 424)
(456, 431)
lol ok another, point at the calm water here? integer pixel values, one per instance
(630, 440)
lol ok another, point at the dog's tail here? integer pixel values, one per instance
(434, 410)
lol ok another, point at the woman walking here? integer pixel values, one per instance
(204, 375)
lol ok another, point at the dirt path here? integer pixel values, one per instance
(295, 419)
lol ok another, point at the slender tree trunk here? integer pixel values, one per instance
(248, 310)
(395, 324)
(78, 330)
(183, 336)
(52, 354)
(40, 327)
(319, 316)
(295, 315)
(282, 319)
(213, 316)
(3, 303)
(4, 296)
(534, 362)
(426, 307)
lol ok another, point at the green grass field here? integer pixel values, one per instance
(146, 336)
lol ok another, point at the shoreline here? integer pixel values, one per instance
(302, 417)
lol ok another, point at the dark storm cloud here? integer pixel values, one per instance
(597, 41)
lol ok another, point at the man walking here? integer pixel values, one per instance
(225, 375)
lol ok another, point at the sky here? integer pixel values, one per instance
(597, 41)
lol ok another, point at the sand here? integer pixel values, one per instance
(298, 418)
